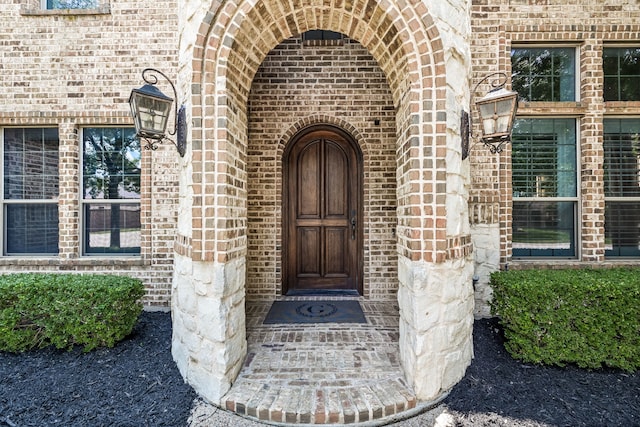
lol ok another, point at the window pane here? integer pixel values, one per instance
(31, 229)
(622, 157)
(322, 35)
(30, 163)
(543, 229)
(111, 164)
(112, 228)
(621, 74)
(544, 74)
(622, 229)
(72, 4)
(629, 88)
(543, 158)
(611, 92)
(622, 179)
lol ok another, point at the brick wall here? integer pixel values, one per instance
(301, 83)
(71, 69)
(587, 25)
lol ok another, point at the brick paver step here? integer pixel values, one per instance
(322, 373)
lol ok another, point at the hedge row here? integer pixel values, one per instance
(587, 317)
(64, 310)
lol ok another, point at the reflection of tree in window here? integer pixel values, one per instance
(72, 4)
(543, 74)
(111, 172)
(621, 74)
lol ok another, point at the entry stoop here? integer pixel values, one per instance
(323, 373)
(327, 405)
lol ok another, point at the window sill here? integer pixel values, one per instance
(550, 108)
(64, 12)
(621, 107)
(547, 263)
(69, 264)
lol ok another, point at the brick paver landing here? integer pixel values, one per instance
(322, 373)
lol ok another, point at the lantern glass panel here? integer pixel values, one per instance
(152, 114)
(487, 113)
(504, 111)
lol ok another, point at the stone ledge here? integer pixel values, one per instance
(64, 12)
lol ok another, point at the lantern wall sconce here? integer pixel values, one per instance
(497, 110)
(151, 109)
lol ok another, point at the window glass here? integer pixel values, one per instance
(321, 35)
(112, 228)
(544, 74)
(111, 164)
(71, 4)
(111, 186)
(30, 172)
(30, 163)
(544, 176)
(622, 187)
(543, 229)
(543, 157)
(31, 229)
(621, 74)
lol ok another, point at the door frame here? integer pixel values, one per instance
(359, 196)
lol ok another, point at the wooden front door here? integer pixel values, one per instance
(322, 212)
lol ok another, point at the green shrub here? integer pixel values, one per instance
(65, 310)
(587, 317)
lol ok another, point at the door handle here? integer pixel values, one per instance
(353, 225)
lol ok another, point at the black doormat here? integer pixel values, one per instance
(311, 311)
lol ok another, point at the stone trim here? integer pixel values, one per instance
(25, 11)
(53, 118)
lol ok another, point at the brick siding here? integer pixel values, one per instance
(71, 69)
(587, 25)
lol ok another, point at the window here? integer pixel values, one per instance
(321, 35)
(70, 4)
(322, 38)
(544, 74)
(111, 191)
(30, 191)
(621, 74)
(544, 180)
(622, 187)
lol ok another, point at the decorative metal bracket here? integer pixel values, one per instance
(498, 83)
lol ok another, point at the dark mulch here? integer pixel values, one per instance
(136, 383)
(500, 391)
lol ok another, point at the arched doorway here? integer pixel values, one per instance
(224, 44)
(322, 213)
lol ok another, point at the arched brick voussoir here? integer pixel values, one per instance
(311, 120)
(241, 34)
(401, 36)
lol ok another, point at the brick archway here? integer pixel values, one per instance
(406, 45)
(232, 41)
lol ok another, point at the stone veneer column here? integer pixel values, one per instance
(209, 334)
(436, 322)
